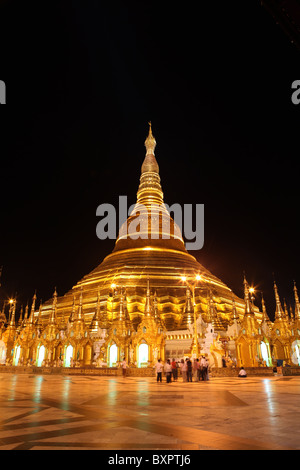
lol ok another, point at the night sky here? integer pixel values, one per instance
(84, 78)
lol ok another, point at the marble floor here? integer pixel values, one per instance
(45, 412)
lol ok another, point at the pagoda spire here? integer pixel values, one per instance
(248, 304)
(148, 310)
(279, 313)
(286, 313)
(235, 316)
(12, 322)
(20, 321)
(98, 322)
(73, 312)
(31, 317)
(213, 316)
(80, 316)
(54, 304)
(297, 303)
(38, 322)
(265, 317)
(26, 314)
(121, 316)
(150, 191)
(96, 318)
(150, 142)
(188, 308)
(3, 310)
(150, 222)
(292, 313)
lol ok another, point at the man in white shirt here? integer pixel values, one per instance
(168, 371)
(203, 368)
(159, 368)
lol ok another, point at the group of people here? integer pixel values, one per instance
(190, 371)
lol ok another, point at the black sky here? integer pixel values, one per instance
(83, 79)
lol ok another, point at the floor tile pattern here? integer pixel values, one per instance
(65, 412)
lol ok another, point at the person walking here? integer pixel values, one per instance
(189, 370)
(198, 370)
(183, 369)
(168, 371)
(195, 369)
(207, 369)
(159, 369)
(174, 370)
(124, 367)
(203, 368)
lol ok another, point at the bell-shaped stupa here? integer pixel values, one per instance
(149, 247)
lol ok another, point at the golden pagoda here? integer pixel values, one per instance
(151, 299)
(163, 261)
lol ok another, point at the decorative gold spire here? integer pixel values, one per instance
(54, 303)
(73, 312)
(31, 317)
(20, 321)
(265, 317)
(2, 314)
(286, 313)
(80, 316)
(150, 164)
(292, 313)
(279, 314)
(297, 303)
(96, 318)
(26, 315)
(150, 223)
(188, 313)
(121, 316)
(150, 142)
(212, 315)
(38, 322)
(148, 310)
(13, 314)
(235, 316)
(248, 304)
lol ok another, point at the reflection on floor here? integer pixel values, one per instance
(63, 412)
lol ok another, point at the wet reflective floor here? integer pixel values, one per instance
(73, 412)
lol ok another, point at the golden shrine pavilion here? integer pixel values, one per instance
(150, 299)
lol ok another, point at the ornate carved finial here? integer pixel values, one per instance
(150, 142)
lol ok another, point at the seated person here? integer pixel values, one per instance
(242, 372)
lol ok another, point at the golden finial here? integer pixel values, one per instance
(150, 142)
(279, 311)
